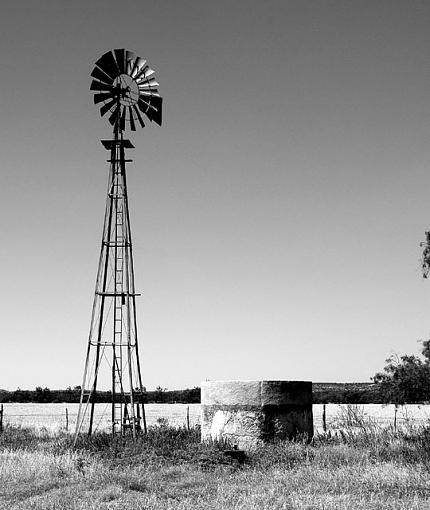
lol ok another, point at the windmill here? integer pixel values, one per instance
(125, 87)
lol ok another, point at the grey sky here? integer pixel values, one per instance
(276, 215)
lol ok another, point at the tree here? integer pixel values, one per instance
(191, 396)
(160, 394)
(406, 379)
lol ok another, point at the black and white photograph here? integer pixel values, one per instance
(215, 263)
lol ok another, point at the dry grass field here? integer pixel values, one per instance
(363, 468)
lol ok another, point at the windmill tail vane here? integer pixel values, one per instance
(125, 86)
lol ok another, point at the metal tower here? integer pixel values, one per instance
(124, 85)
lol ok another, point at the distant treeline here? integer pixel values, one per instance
(72, 395)
(348, 393)
(323, 393)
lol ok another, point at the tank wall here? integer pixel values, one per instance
(249, 413)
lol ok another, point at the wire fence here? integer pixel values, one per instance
(63, 416)
(335, 416)
(325, 416)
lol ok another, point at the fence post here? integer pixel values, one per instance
(324, 418)
(395, 417)
(1, 418)
(188, 417)
(67, 420)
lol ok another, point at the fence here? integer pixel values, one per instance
(63, 416)
(326, 416)
(335, 416)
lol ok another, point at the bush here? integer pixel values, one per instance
(406, 379)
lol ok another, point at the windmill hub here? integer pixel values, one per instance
(128, 90)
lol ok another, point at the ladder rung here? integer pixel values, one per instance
(117, 294)
(113, 244)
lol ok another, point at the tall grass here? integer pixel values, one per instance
(361, 467)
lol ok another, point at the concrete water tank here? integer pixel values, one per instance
(250, 413)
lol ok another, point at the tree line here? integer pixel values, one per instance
(353, 393)
(72, 395)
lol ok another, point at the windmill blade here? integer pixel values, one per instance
(151, 107)
(146, 94)
(113, 119)
(157, 118)
(139, 116)
(149, 93)
(143, 105)
(129, 55)
(105, 108)
(132, 124)
(129, 58)
(148, 84)
(111, 73)
(138, 64)
(141, 72)
(98, 98)
(148, 72)
(120, 60)
(123, 118)
(157, 103)
(129, 66)
(98, 85)
(101, 75)
(135, 66)
(154, 112)
(151, 102)
(107, 63)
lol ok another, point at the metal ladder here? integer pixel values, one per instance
(117, 372)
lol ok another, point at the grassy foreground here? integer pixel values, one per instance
(363, 468)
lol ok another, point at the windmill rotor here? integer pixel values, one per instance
(127, 88)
